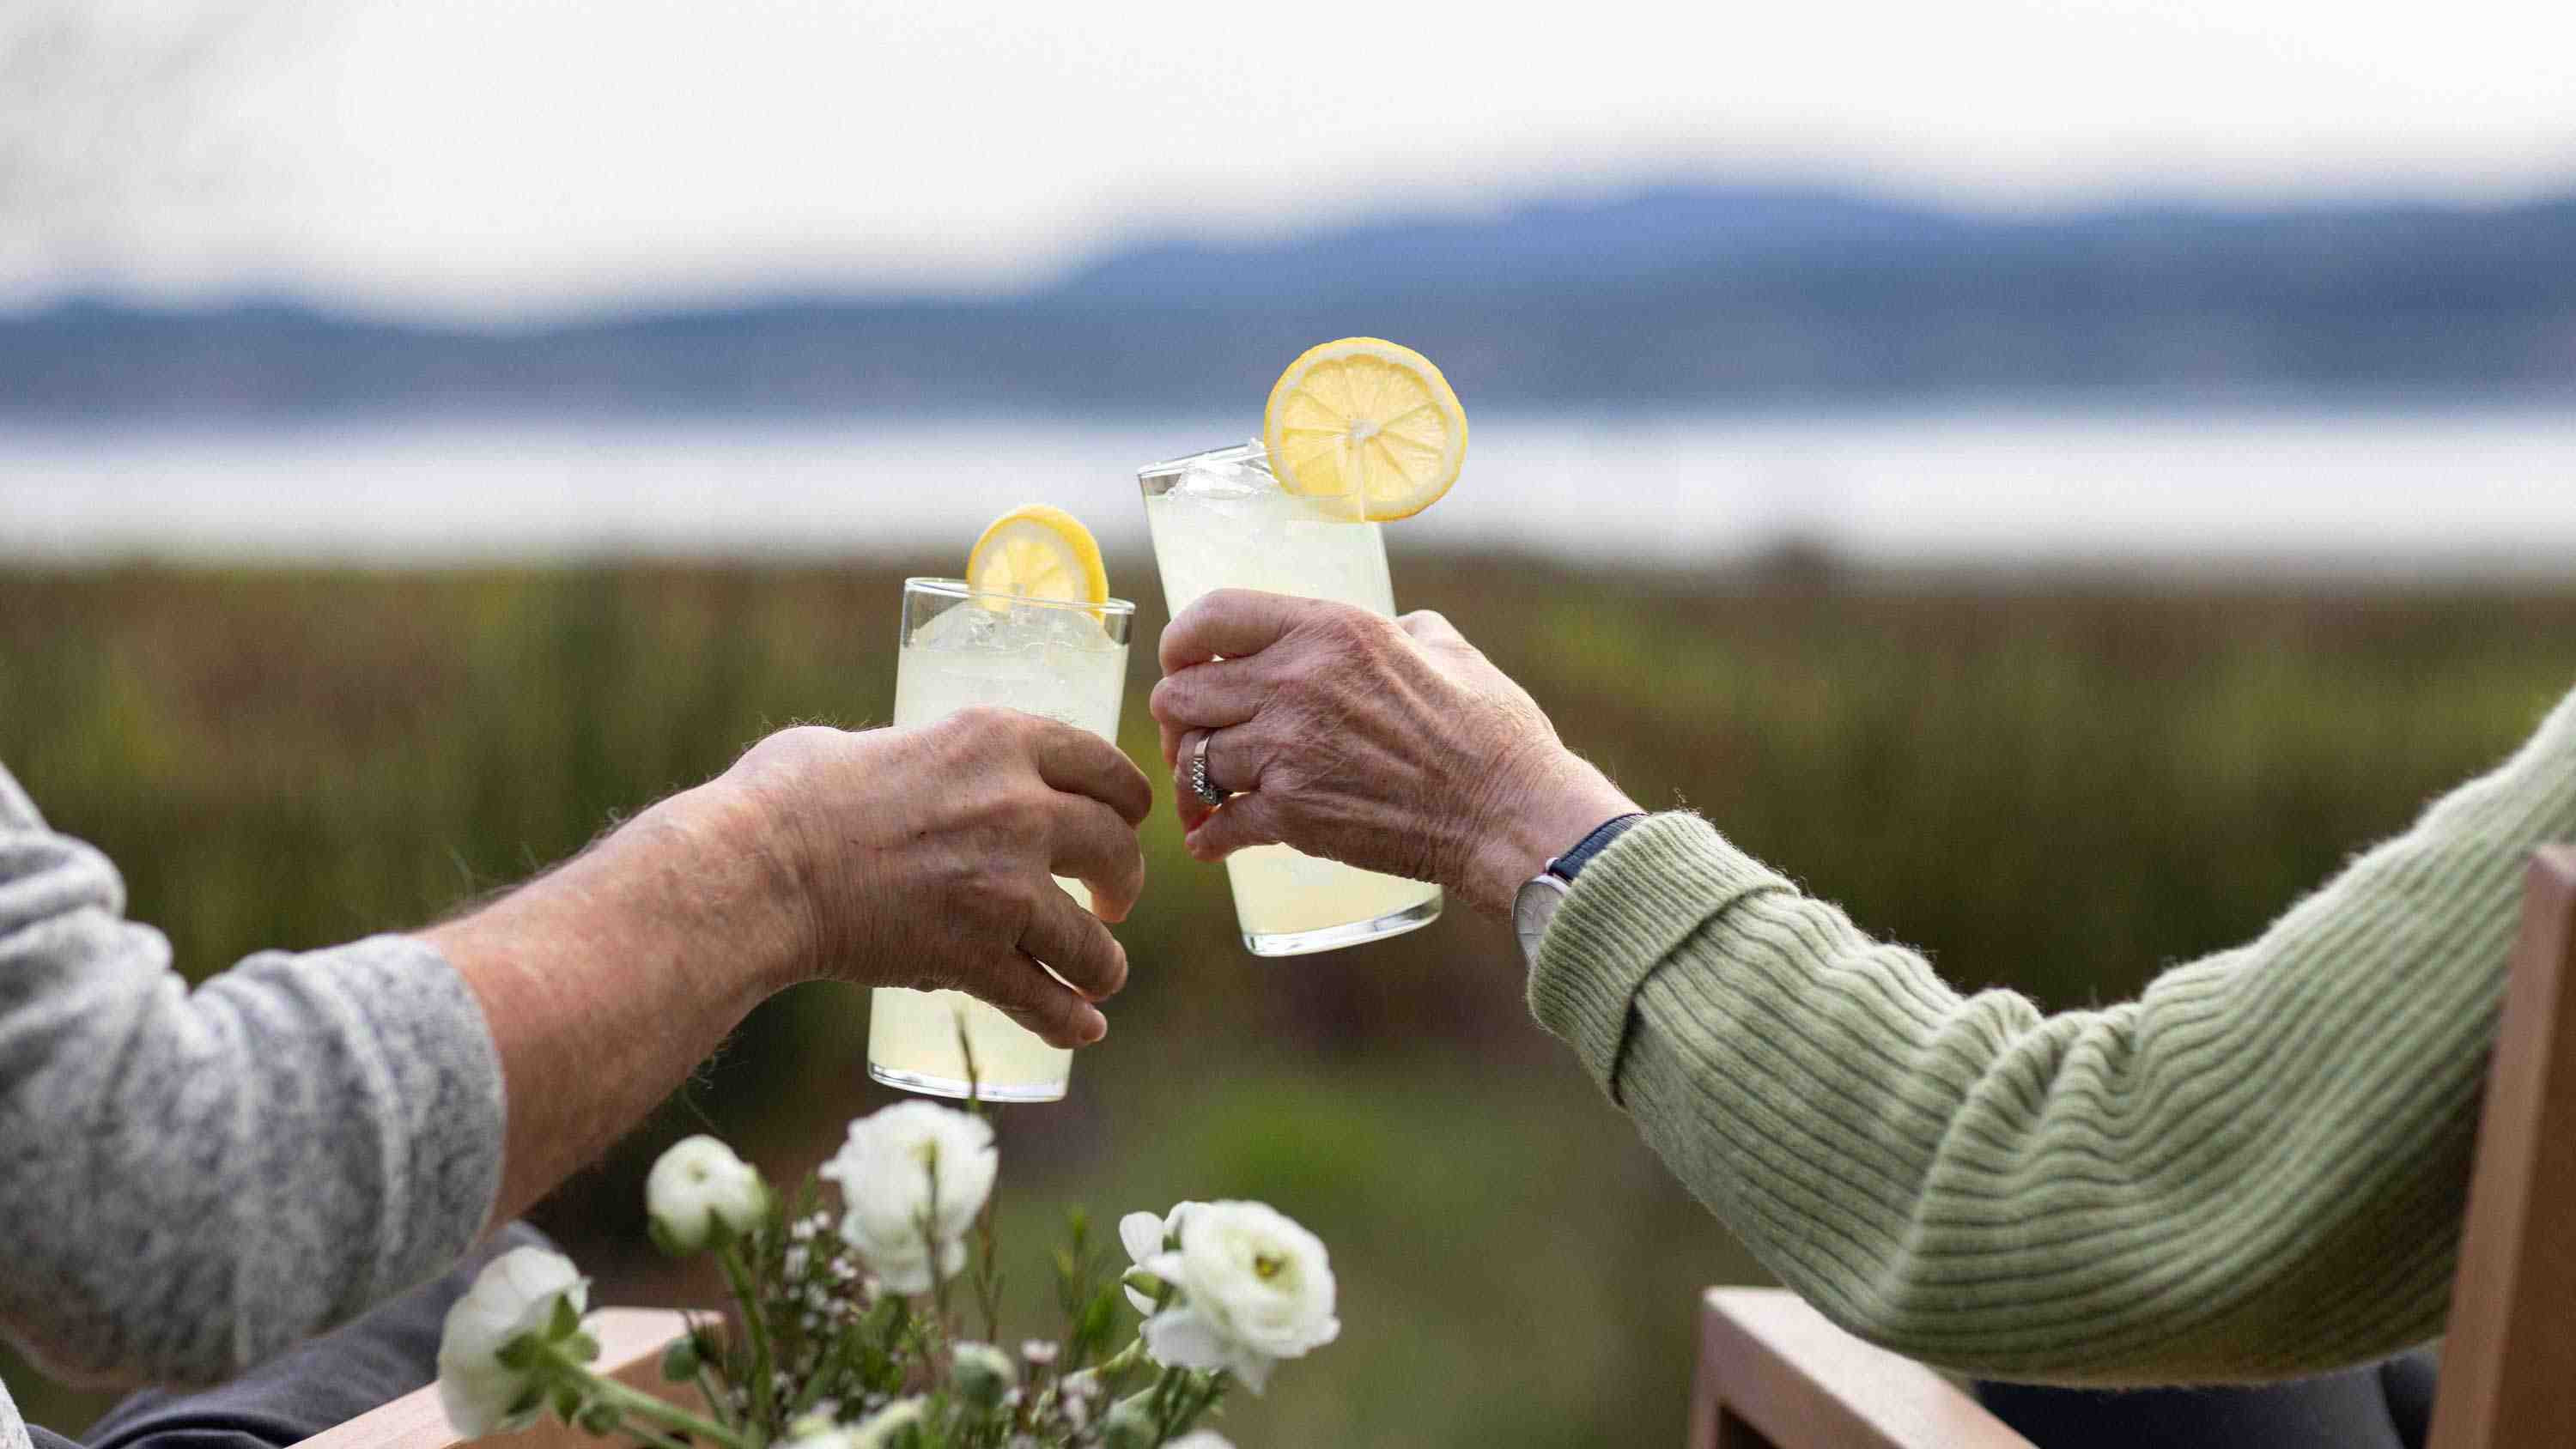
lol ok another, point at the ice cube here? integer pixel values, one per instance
(1227, 473)
(1001, 627)
(963, 627)
(1068, 629)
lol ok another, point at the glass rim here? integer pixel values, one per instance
(960, 589)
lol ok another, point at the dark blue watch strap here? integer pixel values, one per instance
(1565, 867)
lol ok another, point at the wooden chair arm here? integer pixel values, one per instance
(1774, 1374)
(630, 1351)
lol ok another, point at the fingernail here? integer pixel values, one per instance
(1094, 1027)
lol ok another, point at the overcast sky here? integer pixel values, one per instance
(506, 158)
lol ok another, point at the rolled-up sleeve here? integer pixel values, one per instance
(192, 1180)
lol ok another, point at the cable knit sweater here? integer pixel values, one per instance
(2256, 1169)
(195, 1180)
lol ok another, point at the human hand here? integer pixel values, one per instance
(925, 857)
(1390, 744)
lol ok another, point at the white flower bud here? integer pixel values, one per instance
(1130, 1425)
(699, 1192)
(982, 1373)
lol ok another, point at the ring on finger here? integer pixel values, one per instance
(1201, 784)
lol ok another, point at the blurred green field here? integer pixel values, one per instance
(2054, 784)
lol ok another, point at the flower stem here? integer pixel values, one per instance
(755, 1323)
(654, 1437)
(636, 1402)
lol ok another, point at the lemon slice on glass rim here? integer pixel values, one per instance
(1368, 426)
(1038, 551)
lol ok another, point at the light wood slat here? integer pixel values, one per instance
(2509, 1362)
(630, 1351)
(1775, 1372)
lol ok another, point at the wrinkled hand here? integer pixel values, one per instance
(1391, 744)
(926, 857)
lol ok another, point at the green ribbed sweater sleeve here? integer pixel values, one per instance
(2254, 1170)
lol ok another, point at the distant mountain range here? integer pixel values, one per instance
(1681, 296)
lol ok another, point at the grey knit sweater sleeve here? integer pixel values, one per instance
(191, 1181)
(2255, 1170)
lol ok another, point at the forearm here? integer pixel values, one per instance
(2254, 1170)
(608, 979)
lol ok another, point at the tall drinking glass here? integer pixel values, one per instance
(1221, 520)
(963, 647)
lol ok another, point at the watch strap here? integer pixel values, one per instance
(1567, 866)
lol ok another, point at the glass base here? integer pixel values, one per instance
(931, 1086)
(1334, 938)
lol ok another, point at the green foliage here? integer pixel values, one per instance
(2057, 786)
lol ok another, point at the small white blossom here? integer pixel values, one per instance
(1074, 1392)
(817, 1431)
(516, 1294)
(1255, 1288)
(880, 1428)
(889, 1170)
(699, 1190)
(1039, 1351)
(1199, 1439)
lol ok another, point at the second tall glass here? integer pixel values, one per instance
(1221, 520)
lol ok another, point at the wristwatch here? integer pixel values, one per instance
(1536, 902)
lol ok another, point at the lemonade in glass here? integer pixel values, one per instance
(1358, 432)
(1064, 658)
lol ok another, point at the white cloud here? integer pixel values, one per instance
(498, 158)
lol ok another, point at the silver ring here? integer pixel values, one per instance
(1200, 784)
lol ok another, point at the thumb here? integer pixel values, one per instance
(1241, 822)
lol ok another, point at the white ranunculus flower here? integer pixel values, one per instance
(516, 1293)
(698, 1190)
(879, 1429)
(886, 1172)
(1146, 1237)
(1255, 1288)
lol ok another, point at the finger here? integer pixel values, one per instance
(1171, 741)
(1243, 821)
(1211, 696)
(1098, 847)
(1229, 624)
(1079, 762)
(1430, 626)
(1075, 946)
(1233, 766)
(1021, 989)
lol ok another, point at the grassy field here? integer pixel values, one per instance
(2057, 785)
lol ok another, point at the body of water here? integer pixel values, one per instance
(2397, 490)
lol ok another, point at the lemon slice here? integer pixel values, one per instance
(1039, 551)
(1368, 424)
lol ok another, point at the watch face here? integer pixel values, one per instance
(1532, 909)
